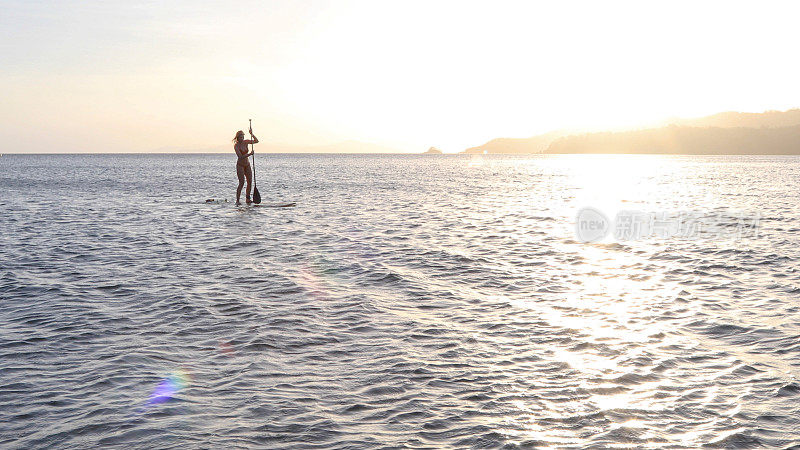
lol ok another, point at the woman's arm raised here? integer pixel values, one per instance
(252, 141)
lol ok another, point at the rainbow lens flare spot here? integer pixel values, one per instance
(169, 387)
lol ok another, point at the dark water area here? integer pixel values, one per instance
(405, 301)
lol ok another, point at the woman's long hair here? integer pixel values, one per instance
(239, 137)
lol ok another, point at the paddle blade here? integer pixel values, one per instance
(256, 196)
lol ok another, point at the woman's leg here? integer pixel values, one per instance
(248, 172)
(240, 175)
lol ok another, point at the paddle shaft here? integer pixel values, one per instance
(252, 149)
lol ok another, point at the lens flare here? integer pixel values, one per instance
(226, 348)
(314, 278)
(169, 387)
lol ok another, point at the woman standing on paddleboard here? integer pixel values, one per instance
(243, 169)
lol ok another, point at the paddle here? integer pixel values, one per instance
(256, 194)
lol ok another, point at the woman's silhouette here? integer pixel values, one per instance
(243, 169)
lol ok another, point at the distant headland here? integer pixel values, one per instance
(432, 151)
(727, 133)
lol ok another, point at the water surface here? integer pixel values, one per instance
(412, 301)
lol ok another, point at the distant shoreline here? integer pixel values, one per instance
(727, 133)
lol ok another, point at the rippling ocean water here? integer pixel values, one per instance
(406, 301)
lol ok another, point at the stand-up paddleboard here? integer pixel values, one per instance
(254, 205)
(274, 205)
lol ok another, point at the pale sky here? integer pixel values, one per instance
(117, 76)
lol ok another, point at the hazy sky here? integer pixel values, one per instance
(142, 76)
